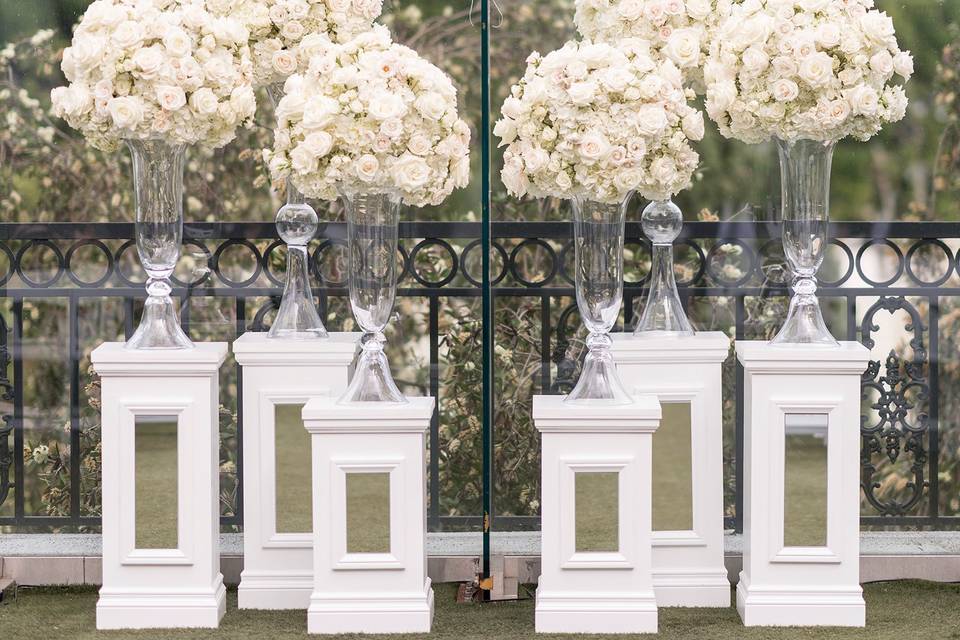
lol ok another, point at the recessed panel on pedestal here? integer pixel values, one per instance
(292, 464)
(597, 507)
(368, 512)
(805, 481)
(673, 469)
(155, 469)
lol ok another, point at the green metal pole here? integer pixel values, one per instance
(487, 296)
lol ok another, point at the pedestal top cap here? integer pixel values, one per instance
(256, 347)
(325, 415)
(850, 357)
(703, 346)
(114, 358)
(553, 414)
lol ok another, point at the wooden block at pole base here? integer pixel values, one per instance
(596, 556)
(369, 517)
(178, 586)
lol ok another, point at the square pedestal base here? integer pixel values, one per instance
(596, 613)
(161, 609)
(801, 608)
(371, 612)
(692, 588)
(274, 591)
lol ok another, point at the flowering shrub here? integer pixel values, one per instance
(601, 121)
(812, 69)
(372, 115)
(156, 68)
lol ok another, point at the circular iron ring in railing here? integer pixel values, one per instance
(562, 261)
(503, 267)
(764, 262)
(714, 256)
(404, 262)
(11, 262)
(642, 245)
(700, 258)
(118, 263)
(946, 252)
(446, 246)
(205, 274)
(850, 265)
(76, 279)
(880, 241)
(257, 259)
(57, 254)
(257, 325)
(529, 242)
(280, 282)
(316, 262)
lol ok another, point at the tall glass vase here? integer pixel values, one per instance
(158, 195)
(297, 224)
(598, 230)
(805, 191)
(373, 221)
(663, 314)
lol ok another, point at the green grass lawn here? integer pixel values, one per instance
(895, 610)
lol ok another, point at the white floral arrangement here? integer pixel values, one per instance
(681, 30)
(370, 115)
(169, 69)
(805, 69)
(285, 34)
(599, 121)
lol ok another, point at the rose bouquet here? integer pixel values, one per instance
(285, 34)
(141, 69)
(599, 121)
(681, 30)
(370, 114)
(805, 69)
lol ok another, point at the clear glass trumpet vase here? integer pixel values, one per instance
(158, 196)
(598, 246)
(372, 235)
(805, 192)
(663, 313)
(297, 223)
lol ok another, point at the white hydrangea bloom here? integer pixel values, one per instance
(370, 115)
(285, 34)
(681, 30)
(156, 69)
(600, 121)
(805, 69)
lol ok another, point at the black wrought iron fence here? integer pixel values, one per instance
(893, 286)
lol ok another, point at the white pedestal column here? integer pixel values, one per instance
(809, 586)
(688, 568)
(362, 591)
(588, 586)
(278, 566)
(182, 586)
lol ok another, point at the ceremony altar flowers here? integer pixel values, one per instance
(159, 75)
(680, 30)
(594, 123)
(374, 123)
(807, 73)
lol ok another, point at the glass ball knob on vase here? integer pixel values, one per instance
(373, 220)
(158, 194)
(805, 193)
(598, 246)
(663, 313)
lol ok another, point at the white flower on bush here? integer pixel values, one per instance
(599, 121)
(814, 69)
(285, 34)
(371, 115)
(155, 68)
(680, 30)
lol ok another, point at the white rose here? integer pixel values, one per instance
(244, 101)
(683, 47)
(318, 143)
(177, 42)
(204, 101)
(693, 126)
(828, 35)
(755, 61)
(126, 112)
(410, 172)
(630, 10)
(170, 98)
(506, 130)
(627, 179)
(127, 35)
(651, 120)
(784, 66)
(664, 171)
(284, 62)
(71, 101)
(882, 63)
(514, 179)
(785, 90)
(535, 159)
(303, 160)
(563, 181)
(877, 26)
(367, 167)
(431, 105)
(754, 30)
(699, 9)
(576, 69)
(419, 144)
(313, 44)
(650, 86)
(293, 31)
(903, 64)
(512, 108)
(864, 101)
(721, 96)
(816, 69)
(593, 146)
(616, 79)
(318, 112)
(582, 93)
(386, 106)
(149, 61)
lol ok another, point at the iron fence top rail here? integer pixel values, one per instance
(739, 229)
